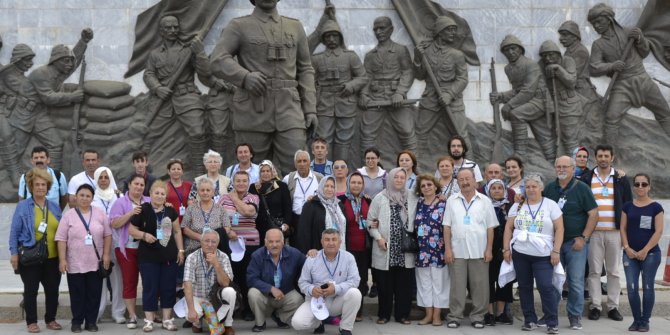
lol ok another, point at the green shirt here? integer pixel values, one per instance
(579, 201)
(52, 226)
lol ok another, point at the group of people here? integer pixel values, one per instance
(288, 248)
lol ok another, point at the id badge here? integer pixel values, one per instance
(42, 227)
(88, 240)
(606, 191)
(159, 233)
(420, 231)
(216, 199)
(561, 203)
(236, 219)
(182, 210)
(466, 220)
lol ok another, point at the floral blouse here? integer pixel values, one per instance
(428, 227)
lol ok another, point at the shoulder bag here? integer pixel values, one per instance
(102, 272)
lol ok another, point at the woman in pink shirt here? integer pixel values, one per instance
(82, 235)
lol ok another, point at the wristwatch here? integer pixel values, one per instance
(586, 239)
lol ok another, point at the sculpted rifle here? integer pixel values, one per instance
(497, 154)
(75, 136)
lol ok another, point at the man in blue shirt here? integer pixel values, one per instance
(272, 276)
(58, 192)
(321, 164)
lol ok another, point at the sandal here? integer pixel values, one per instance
(33, 328)
(425, 321)
(148, 326)
(169, 325)
(438, 323)
(382, 321)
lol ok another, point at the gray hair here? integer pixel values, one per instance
(301, 152)
(330, 231)
(466, 169)
(203, 181)
(534, 177)
(208, 231)
(277, 229)
(212, 154)
(573, 162)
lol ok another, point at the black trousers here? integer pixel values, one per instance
(32, 276)
(85, 292)
(240, 276)
(394, 292)
(362, 259)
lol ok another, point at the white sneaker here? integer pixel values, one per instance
(132, 323)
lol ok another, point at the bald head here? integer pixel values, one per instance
(565, 168)
(274, 241)
(493, 171)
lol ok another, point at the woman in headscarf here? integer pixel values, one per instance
(275, 207)
(389, 214)
(104, 198)
(496, 191)
(355, 207)
(581, 156)
(318, 214)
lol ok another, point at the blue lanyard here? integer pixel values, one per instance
(106, 206)
(206, 217)
(331, 273)
(304, 193)
(88, 224)
(208, 273)
(356, 205)
(90, 180)
(179, 196)
(159, 222)
(606, 181)
(467, 208)
(530, 211)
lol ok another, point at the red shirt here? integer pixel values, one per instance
(173, 197)
(355, 235)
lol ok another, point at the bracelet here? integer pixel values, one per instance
(181, 251)
(505, 250)
(556, 252)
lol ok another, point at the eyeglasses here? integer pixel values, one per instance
(337, 167)
(641, 185)
(563, 167)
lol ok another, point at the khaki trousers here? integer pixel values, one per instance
(463, 272)
(605, 247)
(262, 305)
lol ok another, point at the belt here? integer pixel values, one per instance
(565, 94)
(275, 84)
(25, 103)
(385, 82)
(185, 88)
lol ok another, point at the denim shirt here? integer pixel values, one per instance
(327, 171)
(261, 269)
(22, 231)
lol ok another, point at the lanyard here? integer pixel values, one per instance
(447, 190)
(467, 208)
(216, 189)
(87, 225)
(411, 181)
(106, 204)
(45, 210)
(179, 196)
(530, 211)
(159, 221)
(331, 273)
(604, 184)
(208, 273)
(563, 192)
(356, 205)
(206, 217)
(304, 193)
(90, 180)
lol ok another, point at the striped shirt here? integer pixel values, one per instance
(246, 225)
(603, 190)
(201, 274)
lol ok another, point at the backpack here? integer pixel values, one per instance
(58, 175)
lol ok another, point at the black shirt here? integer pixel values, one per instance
(146, 222)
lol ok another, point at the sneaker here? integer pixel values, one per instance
(594, 314)
(614, 315)
(635, 326)
(92, 328)
(373, 291)
(528, 326)
(503, 318)
(120, 320)
(453, 324)
(575, 322)
(478, 325)
(489, 319)
(75, 328)
(132, 323)
(542, 322)
(552, 330)
(320, 329)
(345, 332)
(258, 329)
(643, 327)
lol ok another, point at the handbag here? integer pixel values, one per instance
(38, 253)
(275, 222)
(102, 272)
(410, 242)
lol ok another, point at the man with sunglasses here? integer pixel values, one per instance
(580, 215)
(611, 191)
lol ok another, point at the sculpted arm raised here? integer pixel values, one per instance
(223, 64)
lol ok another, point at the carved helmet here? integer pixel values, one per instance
(60, 51)
(330, 25)
(443, 22)
(253, 2)
(572, 27)
(511, 40)
(549, 46)
(21, 51)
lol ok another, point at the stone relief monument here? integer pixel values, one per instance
(263, 81)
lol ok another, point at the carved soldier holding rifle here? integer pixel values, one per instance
(618, 53)
(180, 98)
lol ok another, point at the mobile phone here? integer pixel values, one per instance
(324, 286)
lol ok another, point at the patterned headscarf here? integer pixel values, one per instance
(397, 196)
(331, 204)
(487, 190)
(356, 201)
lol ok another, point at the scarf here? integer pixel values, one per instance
(331, 205)
(356, 202)
(109, 193)
(496, 202)
(397, 196)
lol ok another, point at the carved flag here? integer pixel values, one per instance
(196, 17)
(655, 25)
(418, 16)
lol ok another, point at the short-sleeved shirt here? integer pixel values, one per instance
(122, 206)
(201, 274)
(428, 226)
(539, 219)
(58, 187)
(468, 164)
(468, 241)
(641, 225)
(146, 222)
(579, 201)
(81, 258)
(178, 195)
(196, 219)
(79, 179)
(246, 225)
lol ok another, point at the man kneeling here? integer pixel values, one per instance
(202, 270)
(331, 280)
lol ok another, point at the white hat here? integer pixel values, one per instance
(507, 273)
(237, 249)
(319, 308)
(558, 278)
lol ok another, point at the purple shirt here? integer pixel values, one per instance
(81, 258)
(122, 206)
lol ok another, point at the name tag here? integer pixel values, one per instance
(182, 210)
(420, 231)
(606, 191)
(561, 203)
(159, 233)
(42, 227)
(645, 222)
(466, 220)
(88, 240)
(216, 198)
(236, 219)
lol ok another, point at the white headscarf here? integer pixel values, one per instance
(106, 194)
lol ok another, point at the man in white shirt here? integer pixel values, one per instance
(457, 150)
(302, 183)
(468, 224)
(90, 162)
(39, 158)
(244, 153)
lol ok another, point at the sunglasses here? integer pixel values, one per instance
(638, 185)
(337, 167)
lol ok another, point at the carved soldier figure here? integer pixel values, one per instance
(339, 78)
(30, 116)
(450, 69)
(276, 100)
(633, 86)
(526, 102)
(562, 71)
(181, 103)
(217, 116)
(8, 151)
(390, 74)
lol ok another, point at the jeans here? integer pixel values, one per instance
(528, 267)
(648, 267)
(159, 279)
(574, 263)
